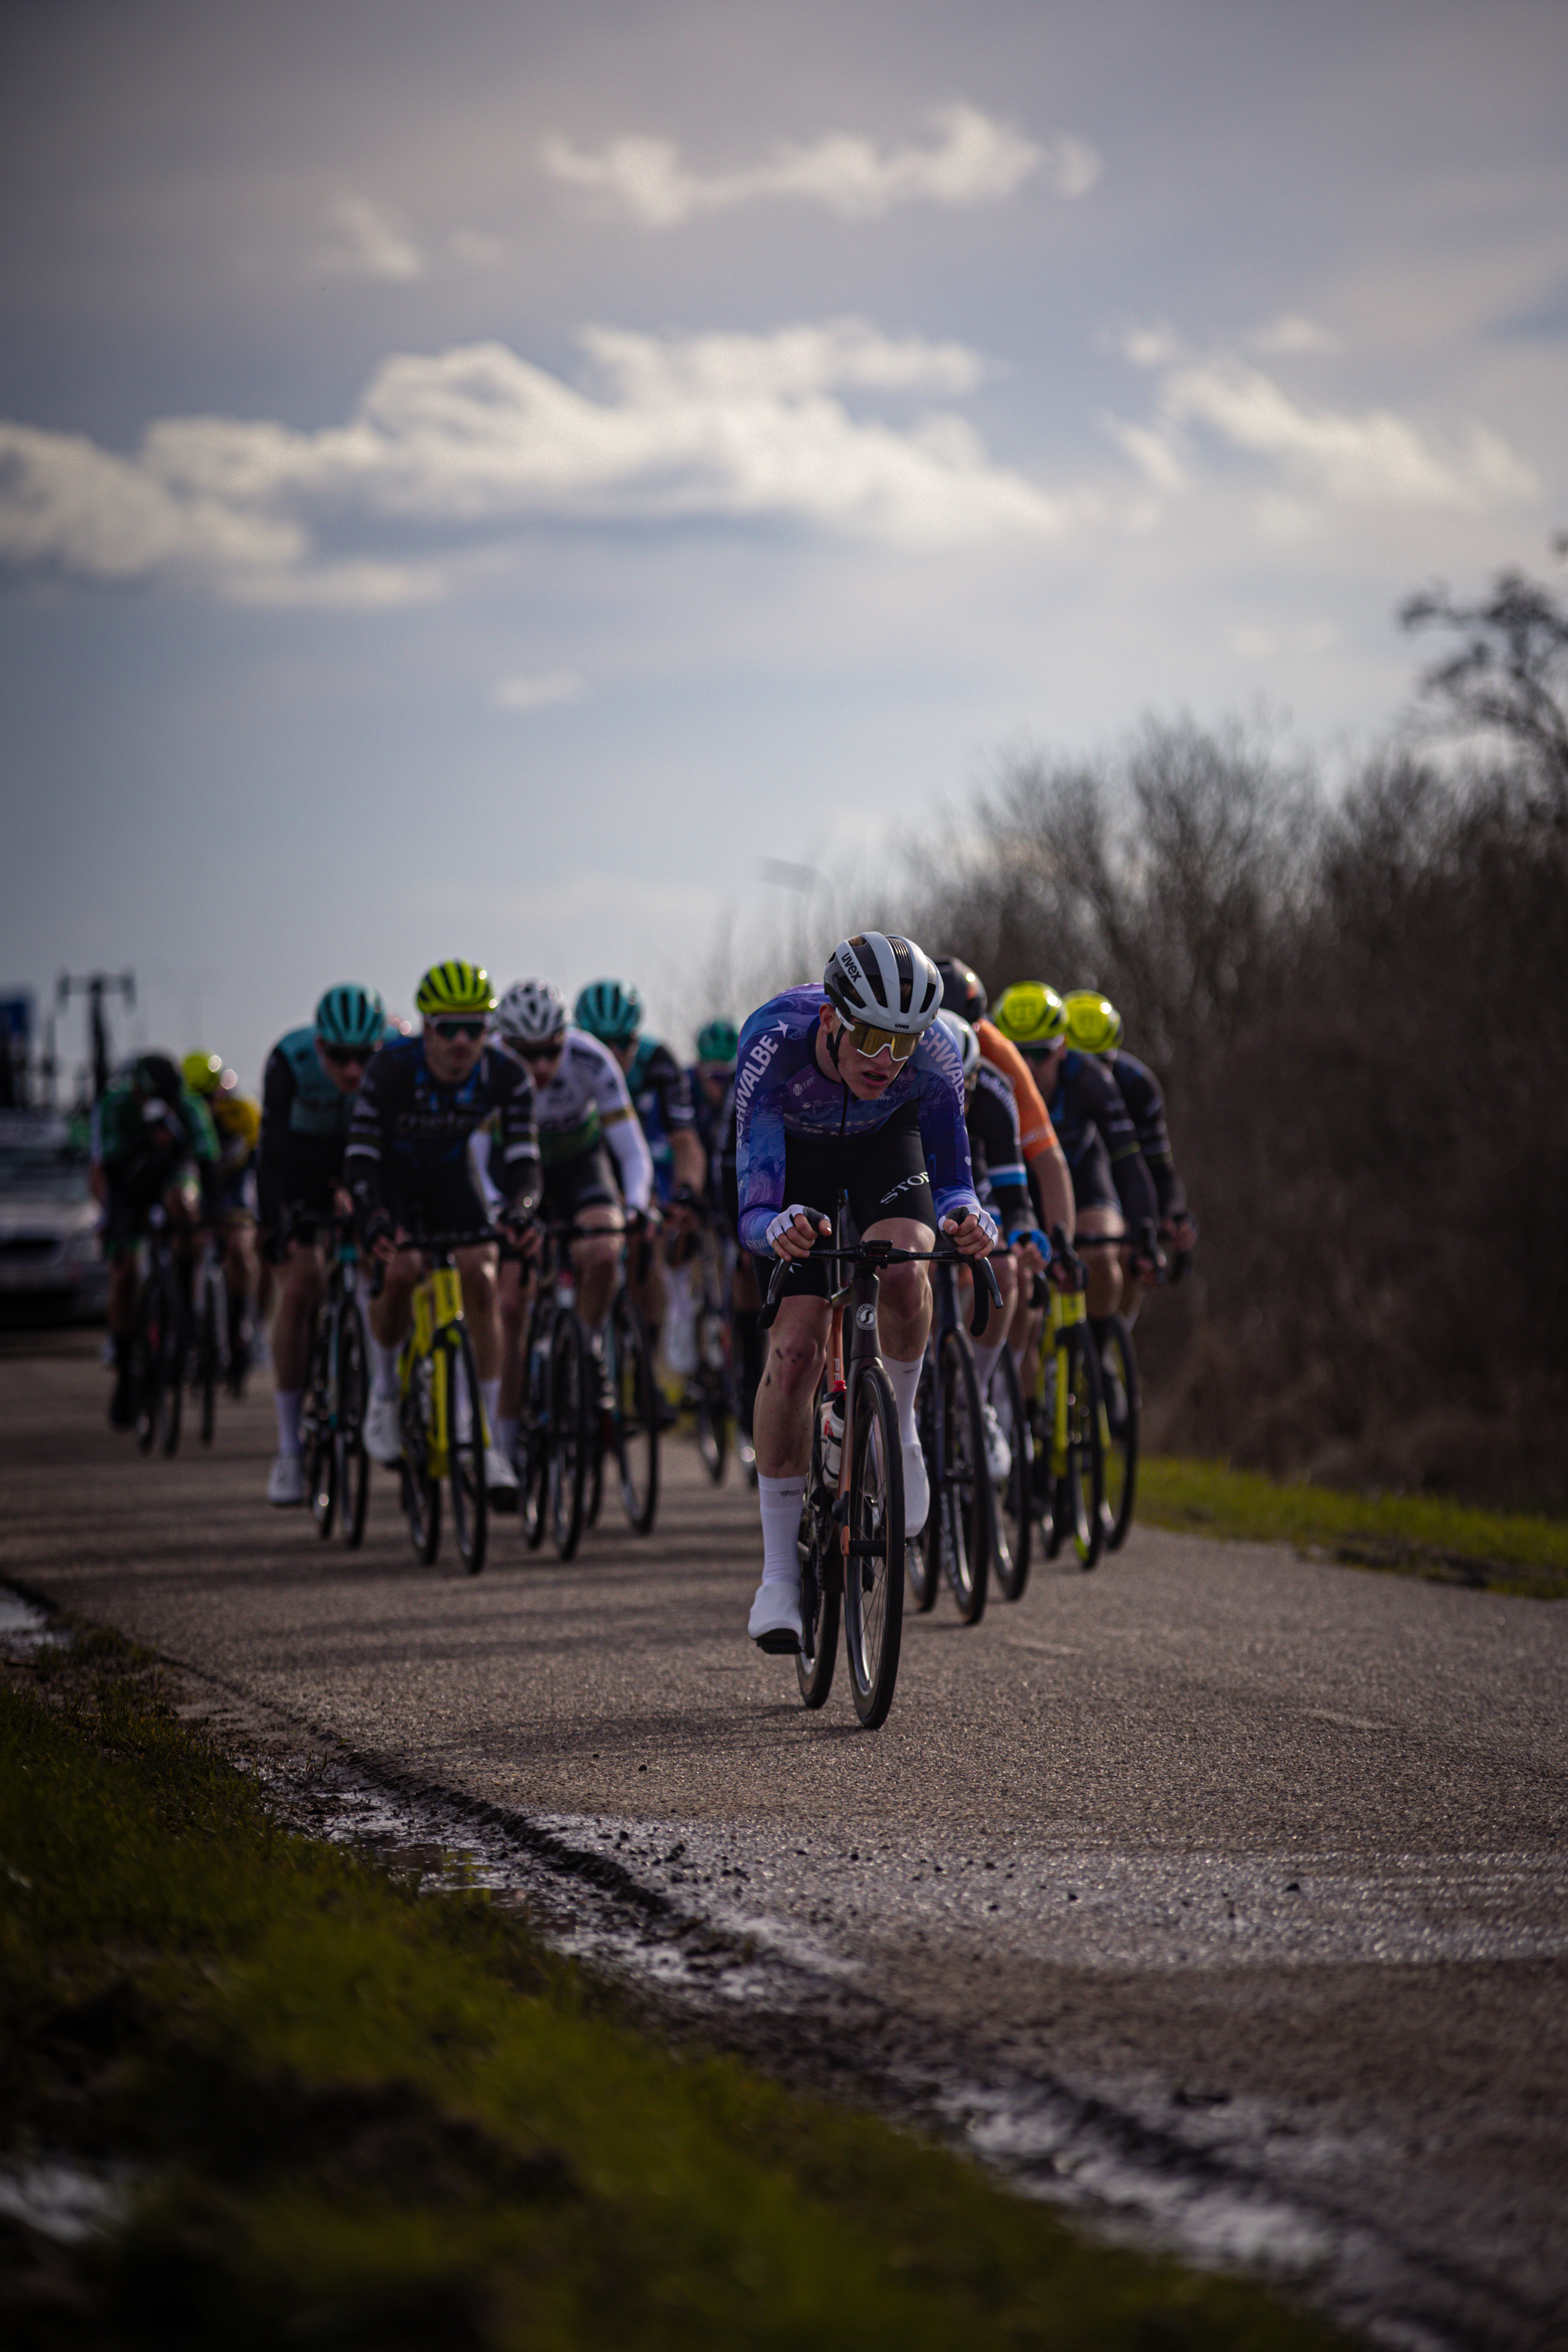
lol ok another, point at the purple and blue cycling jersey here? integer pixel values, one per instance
(780, 1091)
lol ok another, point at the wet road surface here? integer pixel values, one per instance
(1222, 1894)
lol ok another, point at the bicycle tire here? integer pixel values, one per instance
(466, 1450)
(145, 1370)
(635, 1392)
(1118, 1368)
(421, 1493)
(352, 1461)
(961, 1497)
(922, 1552)
(874, 1566)
(712, 1423)
(1081, 1490)
(571, 1435)
(1012, 1517)
(534, 1437)
(821, 1588)
(209, 1353)
(171, 1349)
(316, 1432)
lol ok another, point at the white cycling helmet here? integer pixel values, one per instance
(884, 979)
(532, 1013)
(964, 1037)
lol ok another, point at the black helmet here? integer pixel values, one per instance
(963, 990)
(156, 1077)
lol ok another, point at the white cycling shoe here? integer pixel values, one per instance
(998, 1453)
(500, 1480)
(383, 1431)
(774, 1622)
(917, 1487)
(286, 1481)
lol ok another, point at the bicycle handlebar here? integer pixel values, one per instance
(880, 1254)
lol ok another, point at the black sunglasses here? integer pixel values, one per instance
(544, 1053)
(459, 1028)
(340, 1056)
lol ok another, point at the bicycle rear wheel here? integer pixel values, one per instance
(421, 1493)
(534, 1434)
(316, 1429)
(961, 1498)
(1080, 1495)
(352, 1461)
(922, 1552)
(1118, 1368)
(821, 1582)
(874, 1567)
(713, 1423)
(572, 1386)
(635, 1392)
(466, 1449)
(1012, 1517)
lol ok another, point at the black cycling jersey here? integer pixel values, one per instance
(304, 1130)
(1086, 1109)
(1141, 1092)
(996, 1151)
(408, 1130)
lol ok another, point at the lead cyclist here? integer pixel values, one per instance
(848, 1086)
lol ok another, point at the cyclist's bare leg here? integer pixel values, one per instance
(1099, 1229)
(904, 1303)
(477, 1271)
(780, 1423)
(597, 1255)
(300, 1282)
(512, 1293)
(391, 1312)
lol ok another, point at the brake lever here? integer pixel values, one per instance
(984, 1300)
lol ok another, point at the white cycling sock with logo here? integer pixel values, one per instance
(779, 1502)
(286, 1404)
(906, 1380)
(489, 1395)
(985, 1362)
(383, 1364)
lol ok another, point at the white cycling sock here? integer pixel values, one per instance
(490, 1396)
(779, 1502)
(906, 1380)
(985, 1362)
(1018, 1355)
(383, 1364)
(505, 1425)
(286, 1403)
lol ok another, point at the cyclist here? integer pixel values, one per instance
(1112, 1186)
(661, 1097)
(407, 1167)
(237, 1123)
(154, 1146)
(308, 1090)
(1050, 1179)
(848, 1086)
(997, 1161)
(595, 1158)
(1094, 1026)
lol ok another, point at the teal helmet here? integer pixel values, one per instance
(718, 1041)
(608, 1012)
(351, 1016)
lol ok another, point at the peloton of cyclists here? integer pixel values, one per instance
(154, 1147)
(236, 1121)
(850, 1085)
(308, 1091)
(1094, 1026)
(407, 1167)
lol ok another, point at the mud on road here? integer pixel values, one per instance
(1221, 1897)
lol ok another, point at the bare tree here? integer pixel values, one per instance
(1509, 677)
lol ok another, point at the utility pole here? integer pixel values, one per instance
(95, 986)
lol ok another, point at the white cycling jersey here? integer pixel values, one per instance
(585, 1102)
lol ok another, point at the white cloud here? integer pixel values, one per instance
(520, 692)
(475, 249)
(1290, 335)
(368, 240)
(971, 160)
(710, 428)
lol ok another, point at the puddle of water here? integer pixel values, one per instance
(61, 2200)
(24, 1627)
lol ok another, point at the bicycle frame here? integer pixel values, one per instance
(438, 1303)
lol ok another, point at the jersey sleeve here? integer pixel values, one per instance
(759, 1127)
(1035, 1129)
(364, 1155)
(1146, 1103)
(515, 1159)
(1101, 1097)
(944, 1129)
(994, 1116)
(623, 1132)
(278, 1091)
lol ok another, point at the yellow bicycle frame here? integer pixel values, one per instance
(1068, 1308)
(437, 1302)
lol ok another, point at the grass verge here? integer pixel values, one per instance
(356, 2116)
(1416, 1535)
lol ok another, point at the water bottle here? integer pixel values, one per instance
(832, 1435)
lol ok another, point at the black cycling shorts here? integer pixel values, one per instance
(1093, 1185)
(587, 1180)
(446, 1201)
(884, 1174)
(129, 1207)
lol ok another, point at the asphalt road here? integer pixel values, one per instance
(1222, 1894)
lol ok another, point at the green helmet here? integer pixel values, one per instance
(350, 1015)
(1094, 1025)
(608, 1012)
(718, 1041)
(454, 987)
(1031, 1014)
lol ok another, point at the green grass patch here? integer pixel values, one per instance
(358, 2116)
(1418, 1535)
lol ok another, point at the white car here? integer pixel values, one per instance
(50, 1252)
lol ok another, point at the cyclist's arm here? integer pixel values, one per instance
(516, 1167)
(364, 1154)
(1101, 1097)
(1141, 1092)
(993, 1124)
(623, 1132)
(944, 1131)
(278, 1089)
(758, 1169)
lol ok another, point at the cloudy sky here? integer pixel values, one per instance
(475, 480)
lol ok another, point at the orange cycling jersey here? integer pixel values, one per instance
(1035, 1127)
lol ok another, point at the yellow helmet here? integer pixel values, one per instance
(239, 1121)
(1094, 1025)
(1031, 1014)
(202, 1072)
(455, 988)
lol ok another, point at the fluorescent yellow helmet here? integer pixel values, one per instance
(1094, 1025)
(1031, 1014)
(202, 1072)
(455, 988)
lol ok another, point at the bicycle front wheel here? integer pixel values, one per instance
(466, 1449)
(923, 1553)
(821, 1584)
(316, 1430)
(572, 1403)
(1080, 1505)
(171, 1346)
(421, 1493)
(712, 1423)
(352, 1461)
(1013, 1511)
(637, 1413)
(961, 1498)
(874, 1567)
(209, 1349)
(1118, 1368)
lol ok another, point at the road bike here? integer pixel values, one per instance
(957, 1537)
(1120, 1390)
(556, 1440)
(159, 1344)
(851, 1541)
(209, 1353)
(337, 1392)
(710, 1387)
(625, 1412)
(443, 1417)
(1067, 1417)
(1012, 1515)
